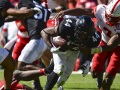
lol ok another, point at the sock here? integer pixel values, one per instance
(14, 84)
(42, 71)
(51, 81)
(50, 68)
(77, 64)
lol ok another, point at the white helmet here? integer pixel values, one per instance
(112, 12)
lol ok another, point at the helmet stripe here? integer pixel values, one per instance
(115, 6)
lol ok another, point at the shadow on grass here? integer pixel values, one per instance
(82, 88)
(88, 89)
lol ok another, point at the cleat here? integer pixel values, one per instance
(86, 68)
(60, 88)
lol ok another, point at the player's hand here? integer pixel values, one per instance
(85, 49)
(58, 15)
(54, 49)
(57, 50)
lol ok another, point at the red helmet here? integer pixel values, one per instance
(112, 12)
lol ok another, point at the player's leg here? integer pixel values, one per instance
(28, 75)
(19, 45)
(100, 79)
(112, 69)
(107, 82)
(50, 68)
(77, 64)
(85, 63)
(14, 83)
(69, 68)
(23, 87)
(31, 52)
(33, 72)
(46, 57)
(9, 65)
(10, 44)
(98, 62)
(51, 80)
(59, 67)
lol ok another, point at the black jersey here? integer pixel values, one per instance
(91, 42)
(4, 4)
(94, 40)
(66, 30)
(37, 22)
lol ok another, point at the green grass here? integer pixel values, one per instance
(75, 82)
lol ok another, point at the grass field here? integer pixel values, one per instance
(76, 82)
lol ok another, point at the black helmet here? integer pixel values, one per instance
(84, 28)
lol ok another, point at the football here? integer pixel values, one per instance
(58, 41)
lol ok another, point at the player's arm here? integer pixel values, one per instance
(57, 9)
(47, 33)
(62, 6)
(24, 13)
(11, 18)
(75, 12)
(112, 43)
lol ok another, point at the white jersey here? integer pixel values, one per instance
(107, 31)
(11, 29)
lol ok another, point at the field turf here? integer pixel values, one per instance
(75, 82)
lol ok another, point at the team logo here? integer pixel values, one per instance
(118, 26)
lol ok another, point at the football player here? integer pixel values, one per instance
(7, 9)
(76, 32)
(15, 86)
(34, 46)
(23, 39)
(76, 35)
(54, 6)
(108, 17)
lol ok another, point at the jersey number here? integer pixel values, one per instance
(68, 21)
(41, 15)
(108, 32)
